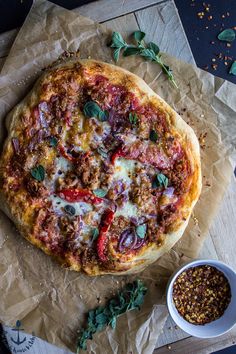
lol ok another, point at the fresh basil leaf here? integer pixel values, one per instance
(139, 36)
(141, 230)
(153, 136)
(117, 40)
(116, 54)
(148, 54)
(131, 51)
(233, 68)
(69, 209)
(38, 173)
(133, 118)
(228, 35)
(95, 234)
(92, 109)
(160, 180)
(100, 192)
(152, 46)
(52, 141)
(101, 150)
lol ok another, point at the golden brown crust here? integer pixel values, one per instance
(19, 207)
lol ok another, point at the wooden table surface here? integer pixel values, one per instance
(160, 20)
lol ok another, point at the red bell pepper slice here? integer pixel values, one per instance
(64, 153)
(118, 153)
(79, 195)
(106, 222)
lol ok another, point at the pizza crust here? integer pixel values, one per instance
(139, 87)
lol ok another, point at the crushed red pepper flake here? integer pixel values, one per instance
(201, 140)
(214, 66)
(201, 294)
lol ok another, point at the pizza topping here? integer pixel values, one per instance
(77, 195)
(106, 222)
(133, 118)
(127, 240)
(153, 136)
(53, 141)
(95, 234)
(38, 173)
(100, 192)
(16, 145)
(43, 112)
(103, 152)
(92, 109)
(160, 180)
(118, 153)
(141, 230)
(36, 188)
(69, 209)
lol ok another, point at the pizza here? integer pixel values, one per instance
(97, 170)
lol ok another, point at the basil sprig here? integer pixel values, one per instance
(130, 298)
(151, 51)
(160, 180)
(92, 109)
(38, 173)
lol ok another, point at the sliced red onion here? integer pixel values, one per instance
(119, 187)
(43, 112)
(127, 240)
(134, 220)
(152, 215)
(139, 243)
(137, 221)
(16, 145)
(117, 121)
(112, 206)
(169, 192)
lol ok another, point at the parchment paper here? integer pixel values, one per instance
(52, 301)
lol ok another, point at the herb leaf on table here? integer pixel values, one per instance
(233, 68)
(130, 298)
(151, 51)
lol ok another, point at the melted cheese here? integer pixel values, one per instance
(128, 210)
(62, 165)
(81, 208)
(124, 170)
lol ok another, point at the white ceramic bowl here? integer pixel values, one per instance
(214, 328)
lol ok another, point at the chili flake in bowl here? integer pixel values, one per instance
(201, 294)
(201, 298)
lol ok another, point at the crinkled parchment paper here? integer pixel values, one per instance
(50, 300)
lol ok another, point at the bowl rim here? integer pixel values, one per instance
(179, 270)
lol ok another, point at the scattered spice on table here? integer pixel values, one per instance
(201, 294)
